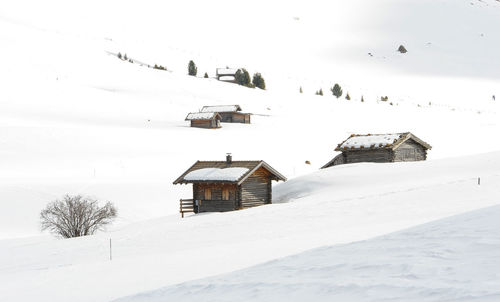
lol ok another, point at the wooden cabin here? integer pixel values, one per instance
(380, 148)
(221, 186)
(210, 120)
(226, 74)
(229, 113)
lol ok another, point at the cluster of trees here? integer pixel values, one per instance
(337, 92)
(159, 67)
(242, 76)
(124, 57)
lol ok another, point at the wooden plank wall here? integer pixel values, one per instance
(255, 190)
(235, 117)
(226, 117)
(374, 156)
(410, 151)
(243, 118)
(216, 202)
(202, 123)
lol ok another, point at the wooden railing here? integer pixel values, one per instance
(186, 206)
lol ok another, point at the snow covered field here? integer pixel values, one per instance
(76, 119)
(337, 205)
(454, 259)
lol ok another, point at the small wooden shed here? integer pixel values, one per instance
(226, 74)
(380, 148)
(220, 186)
(209, 120)
(229, 113)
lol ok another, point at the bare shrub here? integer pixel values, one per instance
(76, 216)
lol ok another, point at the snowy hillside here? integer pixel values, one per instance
(75, 119)
(337, 205)
(454, 259)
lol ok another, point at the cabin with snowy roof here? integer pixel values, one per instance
(221, 186)
(226, 74)
(229, 113)
(210, 120)
(380, 148)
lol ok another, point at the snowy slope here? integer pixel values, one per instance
(75, 119)
(454, 259)
(337, 205)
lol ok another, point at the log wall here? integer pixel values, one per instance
(410, 151)
(256, 189)
(373, 156)
(235, 117)
(215, 197)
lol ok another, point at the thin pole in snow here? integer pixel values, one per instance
(110, 251)
(479, 181)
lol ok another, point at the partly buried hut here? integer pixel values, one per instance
(209, 120)
(226, 74)
(380, 148)
(228, 113)
(220, 186)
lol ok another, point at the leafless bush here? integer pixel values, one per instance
(76, 216)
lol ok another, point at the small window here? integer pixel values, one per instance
(208, 194)
(225, 194)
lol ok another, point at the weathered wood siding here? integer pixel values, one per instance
(337, 160)
(241, 118)
(226, 117)
(235, 117)
(215, 197)
(374, 156)
(256, 189)
(205, 124)
(410, 151)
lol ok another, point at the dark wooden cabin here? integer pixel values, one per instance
(229, 113)
(210, 120)
(380, 148)
(221, 186)
(226, 74)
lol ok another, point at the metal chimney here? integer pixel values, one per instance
(229, 158)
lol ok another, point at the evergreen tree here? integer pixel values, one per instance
(125, 57)
(258, 81)
(119, 55)
(192, 69)
(300, 90)
(206, 75)
(362, 99)
(337, 90)
(348, 97)
(242, 77)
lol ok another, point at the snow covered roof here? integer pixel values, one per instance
(221, 108)
(202, 116)
(218, 174)
(378, 141)
(226, 71)
(223, 171)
